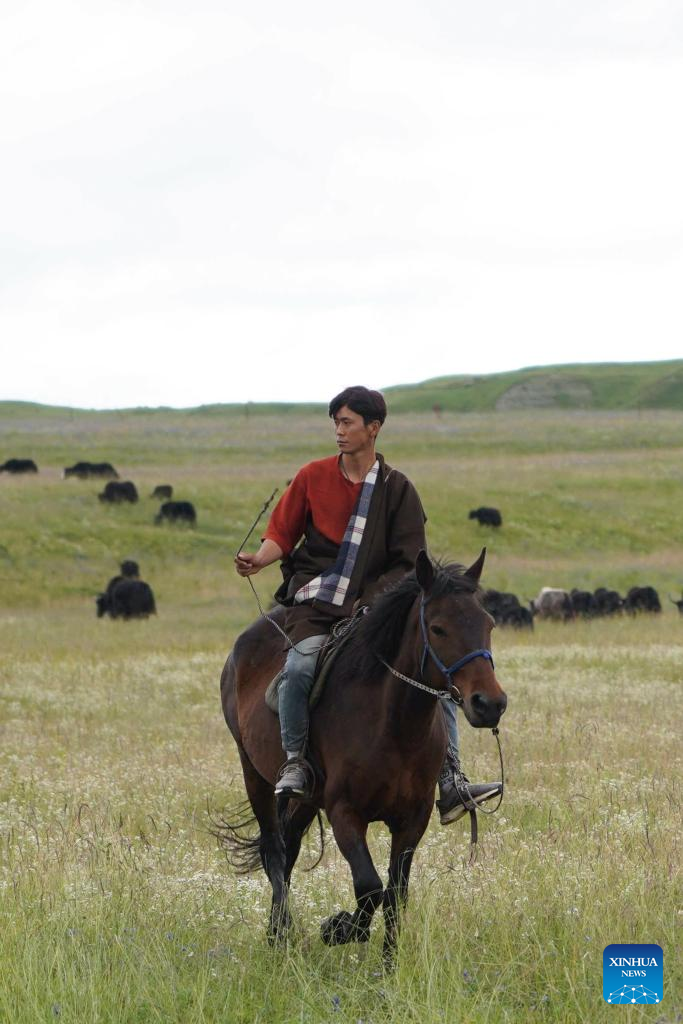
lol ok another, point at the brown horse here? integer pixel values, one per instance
(377, 741)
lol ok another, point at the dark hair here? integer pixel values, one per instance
(130, 569)
(368, 404)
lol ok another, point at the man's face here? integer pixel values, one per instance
(351, 433)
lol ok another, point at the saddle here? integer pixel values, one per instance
(342, 631)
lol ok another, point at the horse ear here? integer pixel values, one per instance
(474, 571)
(424, 570)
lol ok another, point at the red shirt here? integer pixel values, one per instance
(320, 490)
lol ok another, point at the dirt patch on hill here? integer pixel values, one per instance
(547, 393)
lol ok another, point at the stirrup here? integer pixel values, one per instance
(464, 796)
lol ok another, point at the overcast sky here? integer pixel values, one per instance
(267, 201)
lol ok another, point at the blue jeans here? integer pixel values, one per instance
(451, 720)
(295, 689)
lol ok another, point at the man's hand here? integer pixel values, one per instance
(248, 565)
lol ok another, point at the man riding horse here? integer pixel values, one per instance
(362, 525)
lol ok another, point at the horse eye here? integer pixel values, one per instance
(438, 631)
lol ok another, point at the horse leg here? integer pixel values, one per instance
(403, 845)
(271, 847)
(350, 833)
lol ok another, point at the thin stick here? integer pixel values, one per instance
(256, 521)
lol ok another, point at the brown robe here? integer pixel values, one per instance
(394, 534)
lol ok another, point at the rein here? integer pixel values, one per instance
(452, 693)
(337, 630)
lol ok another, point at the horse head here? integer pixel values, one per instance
(456, 639)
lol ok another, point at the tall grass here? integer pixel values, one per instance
(116, 904)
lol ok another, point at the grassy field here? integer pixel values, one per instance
(115, 903)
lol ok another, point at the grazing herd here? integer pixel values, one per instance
(127, 596)
(559, 605)
(115, 490)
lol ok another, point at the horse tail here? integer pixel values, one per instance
(283, 812)
(321, 837)
(242, 848)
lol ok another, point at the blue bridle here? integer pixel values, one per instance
(457, 665)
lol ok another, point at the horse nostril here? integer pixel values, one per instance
(480, 703)
(486, 706)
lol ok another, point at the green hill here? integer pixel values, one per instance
(595, 386)
(580, 386)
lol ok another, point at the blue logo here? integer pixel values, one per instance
(632, 973)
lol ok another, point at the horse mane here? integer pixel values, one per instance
(380, 632)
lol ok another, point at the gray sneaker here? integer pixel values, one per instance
(295, 778)
(457, 795)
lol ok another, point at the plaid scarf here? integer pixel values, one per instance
(332, 584)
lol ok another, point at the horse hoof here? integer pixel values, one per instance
(338, 929)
